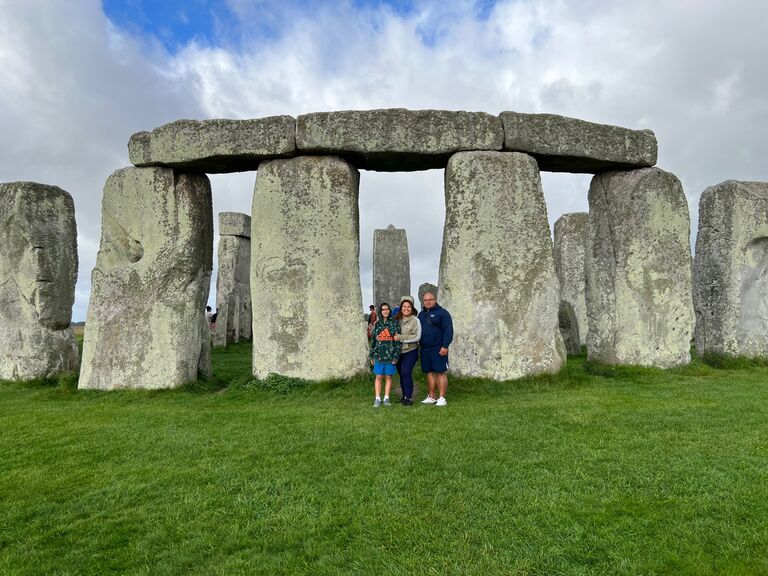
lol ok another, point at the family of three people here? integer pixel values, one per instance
(397, 341)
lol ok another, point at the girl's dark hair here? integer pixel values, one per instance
(381, 316)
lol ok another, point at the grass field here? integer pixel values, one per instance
(594, 471)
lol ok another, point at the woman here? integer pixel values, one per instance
(385, 351)
(410, 334)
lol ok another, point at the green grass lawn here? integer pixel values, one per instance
(594, 471)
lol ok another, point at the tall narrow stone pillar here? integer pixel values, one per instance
(391, 266)
(497, 273)
(150, 284)
(305, 270)
(38, 270)
(233, 282)
(730, 270)
(638, 267)
(570, 240)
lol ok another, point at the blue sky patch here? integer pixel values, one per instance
(173, 22)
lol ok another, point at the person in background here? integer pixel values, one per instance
(371, 319)
(410, 334)
(385, 351)
(209, 317)
(436, 337)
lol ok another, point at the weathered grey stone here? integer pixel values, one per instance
(234, 224)
(570, 239)
(305, 273)
(151, 281)
(562, 144)
(497, 274)
(398, 139)
(204, 367)
(569, 328)
(423, 289)
(638, 267)
(219, 336)
(731, 265)
(233, 290)
(38, 271)
(391, 266)
(215, 146)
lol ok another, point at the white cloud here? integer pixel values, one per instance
(75, 88)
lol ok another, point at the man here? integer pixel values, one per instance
(436, 337)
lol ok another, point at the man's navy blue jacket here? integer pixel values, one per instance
(436, 327)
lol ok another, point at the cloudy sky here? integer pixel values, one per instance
(78, 78)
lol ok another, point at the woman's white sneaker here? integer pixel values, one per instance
(441, 402)
(429, 400)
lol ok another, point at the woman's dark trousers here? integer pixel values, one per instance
(405, 368)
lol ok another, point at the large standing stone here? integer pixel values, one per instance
(391, 266)
(305, 270)
(731, 270)
(233, 282)
(638, 267)
(570, 240)
(562, 144)
(398, 139)
(569, 328)
(215, 145)
(151, 281)
(38, 271)
(497, 274)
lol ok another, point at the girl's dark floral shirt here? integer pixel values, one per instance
(385, 350)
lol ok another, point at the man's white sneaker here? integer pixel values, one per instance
(428, 400)
(441, 402)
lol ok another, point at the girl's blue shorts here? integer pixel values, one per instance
(384, 368)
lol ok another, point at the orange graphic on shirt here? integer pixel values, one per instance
(385, 336)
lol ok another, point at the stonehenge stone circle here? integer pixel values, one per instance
(569, 328)
(570, 238)
(497, 273)
(233, 281)
(38, 268)
(150, 285)
(397, 139)
(730, 287)
(638, 268)
(214, 146)
(423, 289)
(391, 266)
(305, 270)
(562, 144)
(497, 276)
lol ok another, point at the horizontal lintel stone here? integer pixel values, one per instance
(234, 224)
(215, 146)
(562, 144)
(397, 139)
